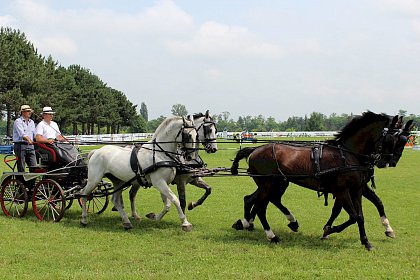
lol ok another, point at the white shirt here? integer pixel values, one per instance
(48, 131)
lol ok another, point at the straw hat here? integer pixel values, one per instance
(47, 110)
(25, 108)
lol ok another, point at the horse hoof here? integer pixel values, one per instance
(390, 234)
(238, 225)
(327, 231)
(275, 240)
(127, 226)
(294, 226)
(151, 216)
(137, 218)
(187, 228)
(369, 247)
(251, 227)
(325, 237)
(191, 206)
(83, 224)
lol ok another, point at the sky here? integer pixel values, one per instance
(274, 58)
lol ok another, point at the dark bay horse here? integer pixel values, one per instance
(369, 193)
(342, 166)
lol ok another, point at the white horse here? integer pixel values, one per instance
(206, 129)
(157, 158)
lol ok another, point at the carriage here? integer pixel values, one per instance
(51, 186)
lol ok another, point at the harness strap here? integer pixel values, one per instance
(136, 167)
(277, 163)
(317, 156)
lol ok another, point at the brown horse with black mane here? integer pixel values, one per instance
(342, 167)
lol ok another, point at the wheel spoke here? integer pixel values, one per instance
(48, 201)
(13, 198)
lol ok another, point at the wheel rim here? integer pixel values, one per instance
(14, 199)
(96, 204)
(48, 201)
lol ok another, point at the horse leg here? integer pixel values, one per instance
(335, 211)
(164, 189)
(133, 192)
(201, 184)
(181, 181)
(275, 198)
(353, 206)
(261, 209)
(94, 178)
(345, 201)
(265, 189)
(166, 205)
(249, 216)
(361, 223)
(83, 221)
(372, 197)
(117, 200)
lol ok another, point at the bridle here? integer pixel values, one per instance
(388, 134)
(206, 126)
(185, 132)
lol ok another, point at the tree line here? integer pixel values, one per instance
(315, 122)
(85, 103)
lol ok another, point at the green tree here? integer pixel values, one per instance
(19, 68)
(153, 124)
(179, 110)
(143, 111)
(316, 122)
(138, 125)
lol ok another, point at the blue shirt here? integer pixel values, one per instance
(21, 129)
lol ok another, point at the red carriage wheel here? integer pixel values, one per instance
(48, 201)
(14, 198)
(95, 204)
(98, 200)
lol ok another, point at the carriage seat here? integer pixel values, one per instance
(56, 155)
(45, 154)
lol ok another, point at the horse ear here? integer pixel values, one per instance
(400, 122)
(394, 122)
(409, 125)
(207, 114)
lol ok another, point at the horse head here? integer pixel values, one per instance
(189, 139)
(370, 135)
(207, 131)
(402, 138)
(388, 142)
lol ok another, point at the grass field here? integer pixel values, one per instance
(30, 249)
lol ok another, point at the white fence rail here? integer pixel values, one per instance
(136, 137)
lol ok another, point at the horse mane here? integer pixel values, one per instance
(165, 123)
(356, 123)
(198, 115)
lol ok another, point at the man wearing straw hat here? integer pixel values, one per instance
(47, 130)
(23, 137)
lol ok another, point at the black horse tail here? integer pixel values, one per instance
(243, 153)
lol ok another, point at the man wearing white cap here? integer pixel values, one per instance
(23, 137)
(47, 130)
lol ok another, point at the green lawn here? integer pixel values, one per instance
(30, 249)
